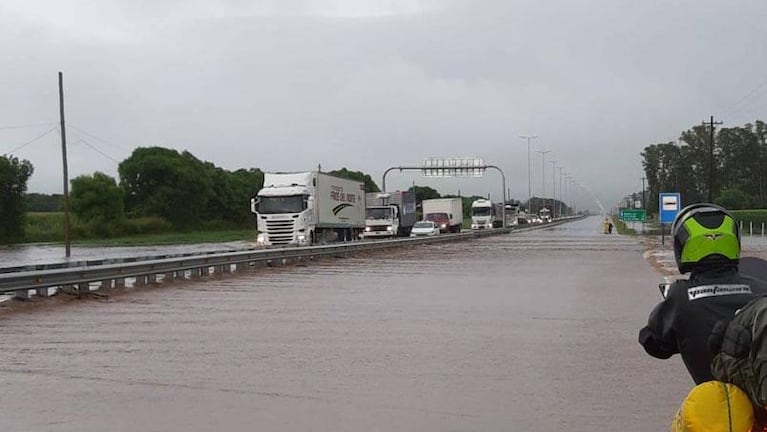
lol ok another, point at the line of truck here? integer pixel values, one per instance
(315, 207)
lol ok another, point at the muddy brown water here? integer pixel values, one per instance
(526, 332)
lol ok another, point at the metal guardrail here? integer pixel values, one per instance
(146, 271)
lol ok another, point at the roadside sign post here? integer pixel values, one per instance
(669, 204)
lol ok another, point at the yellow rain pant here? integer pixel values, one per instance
(714, 407)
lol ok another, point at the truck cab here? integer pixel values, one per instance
(545, 215)
(441, 219)
(389, 214)
(284, 215)
(381, 221)
(482, 214)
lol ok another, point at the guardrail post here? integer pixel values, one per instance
(42, 292)
(120, 283)
(140, 281)
(22, 295)
(83, 288)
(205, 271)
(106, 284)
(151, 279)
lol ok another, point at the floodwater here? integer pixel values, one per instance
(34, 254)
(532, 331)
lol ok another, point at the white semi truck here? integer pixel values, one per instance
(485, 214)
(308, 207)
(389, 214)
(447, 213)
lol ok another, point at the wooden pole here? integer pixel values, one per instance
(67, 230)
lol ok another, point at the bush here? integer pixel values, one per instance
(146, 225)
(758, 217)
(44, 227)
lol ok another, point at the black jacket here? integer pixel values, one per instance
(682, 322)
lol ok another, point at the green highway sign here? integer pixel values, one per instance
(629, 215)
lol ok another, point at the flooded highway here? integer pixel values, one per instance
(534, 331)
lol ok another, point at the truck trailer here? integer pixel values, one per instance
(389, 214)
(447, 213)
(308, 208)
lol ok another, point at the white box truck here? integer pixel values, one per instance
(447, 213)
(308, 208)
(389, 214)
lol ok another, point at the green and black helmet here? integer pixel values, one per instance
(705, 234)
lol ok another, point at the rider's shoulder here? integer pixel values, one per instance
(755, 284)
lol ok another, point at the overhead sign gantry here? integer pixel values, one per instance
(454, 167)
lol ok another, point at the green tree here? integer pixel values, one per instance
(734, 199)
(244, 184)
(370, 185)
(163, 182)
(13, 185)
(97, 200)
(424, 193)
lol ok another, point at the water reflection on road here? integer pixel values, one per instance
(532, 331)
(20, 255)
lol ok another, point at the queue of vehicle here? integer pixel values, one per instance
(314, 207)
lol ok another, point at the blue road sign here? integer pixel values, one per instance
(669, 205)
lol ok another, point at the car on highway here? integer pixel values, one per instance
(424, 228)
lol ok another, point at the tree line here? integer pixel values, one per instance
(158, 189)
(735, 177)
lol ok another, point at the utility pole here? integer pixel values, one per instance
(67, 237)
(543, 175)
(529, 171)
(561, 191)
(554, 189)
(712, 126)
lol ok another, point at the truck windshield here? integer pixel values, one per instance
(481, 211)
(378, 213)
(282, 204)
(436, 216)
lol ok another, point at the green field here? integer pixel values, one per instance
(49, 228)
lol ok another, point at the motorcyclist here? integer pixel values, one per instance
(706, 245)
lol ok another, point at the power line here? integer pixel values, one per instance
(32, 140)
(94, 148)
(26, 126)
(84, 132)
(734, 109)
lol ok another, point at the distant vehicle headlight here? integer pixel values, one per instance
(389, 228)
(368, 229)
(443, 226)
(261, 239)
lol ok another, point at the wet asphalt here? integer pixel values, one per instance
(532, 331)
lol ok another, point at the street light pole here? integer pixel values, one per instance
(529, 170)
(553, 189)
(561, 191)
(543, 175)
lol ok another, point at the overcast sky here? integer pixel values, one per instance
(285, 85)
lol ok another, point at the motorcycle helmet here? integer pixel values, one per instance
(705, 234)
